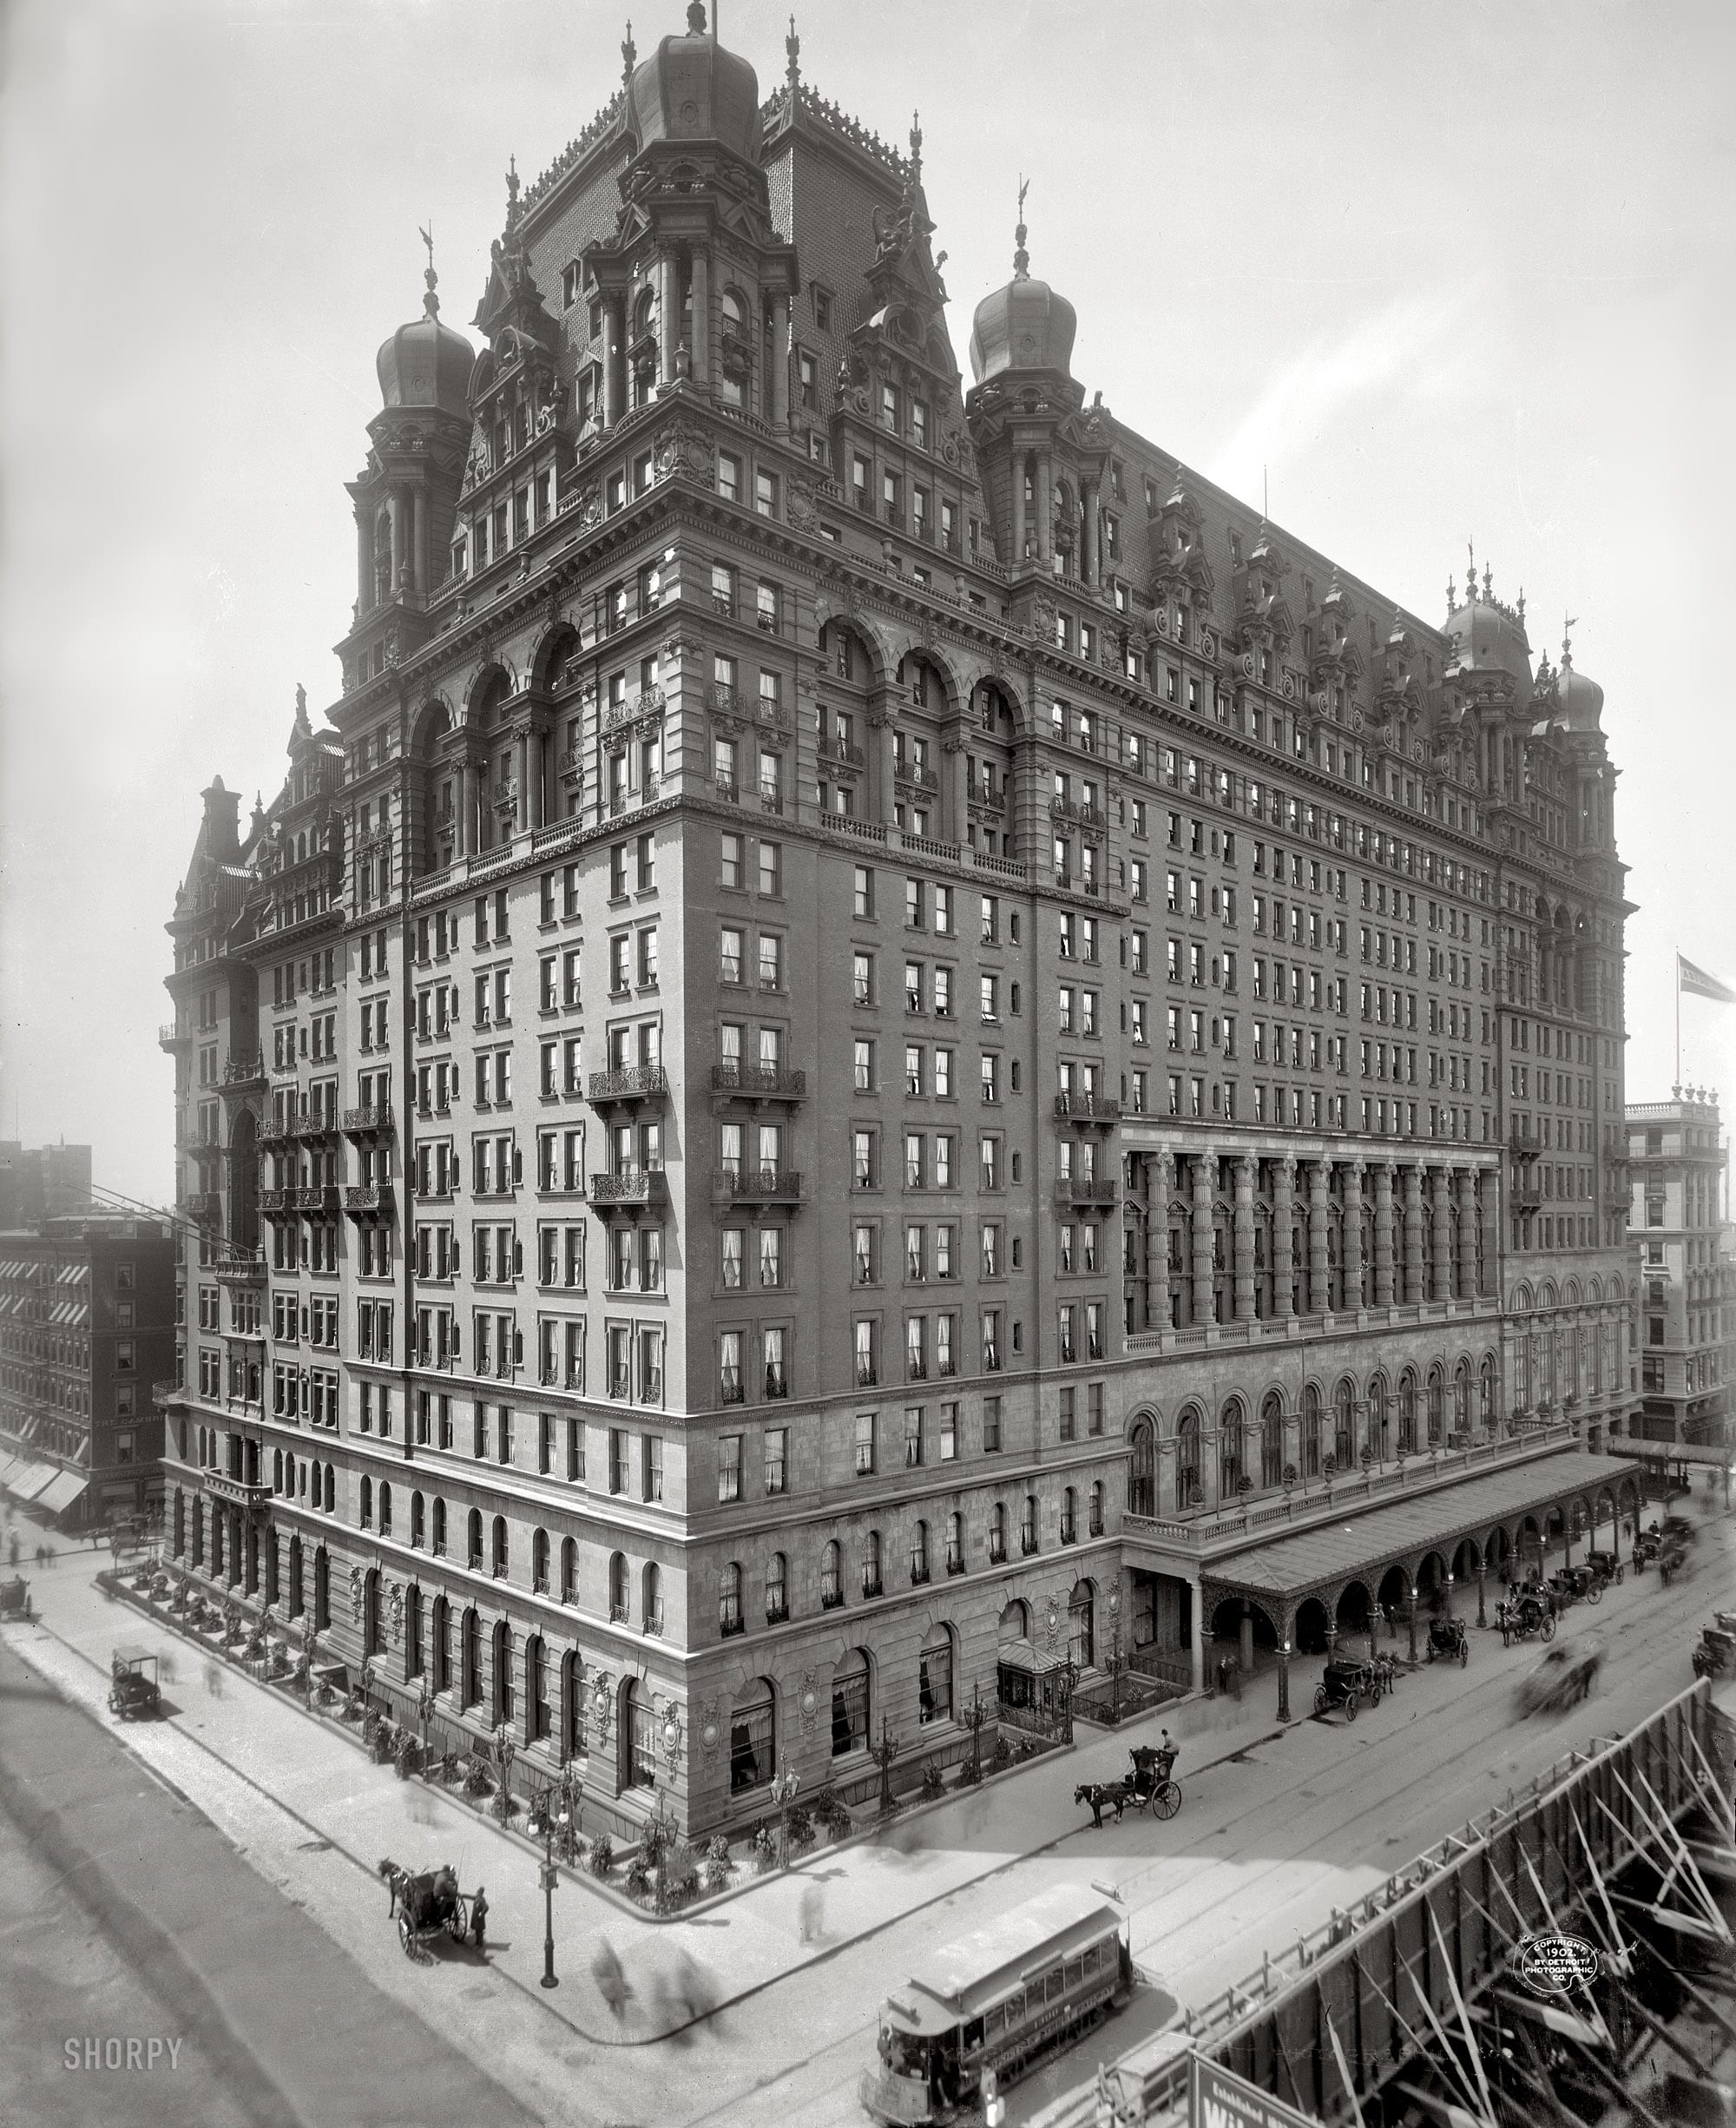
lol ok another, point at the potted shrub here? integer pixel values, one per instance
(830, 1815)
(638, 1878)
(719, 1869)
(800, 1823)
(600, 1860)
(931, 1783)
(679, 1878)
(764, 1849)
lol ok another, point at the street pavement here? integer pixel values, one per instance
(1279, 1826)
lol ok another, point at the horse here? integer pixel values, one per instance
(426, 1899)
(1111, 1795)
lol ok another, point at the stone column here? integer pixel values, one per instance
(1045, 508)
(420, 573)
(396, 512)
(1244, 1240)
(1353, 1169)
(880, 723)
(958, 768)
(521, 763)
(1021, 458)
(1283, 1211)
(1441, 1255)
(1087, 539)
(1203, 1164)
(1488, 1198)
(614, 358)
(1465, 1181)
(701, 355)
(1319, 1198)
(464, 834)
(1382, 1234)
(364, 569)
(1413, 1232)
(1197, 1638)
(779, 379)
(668, 316)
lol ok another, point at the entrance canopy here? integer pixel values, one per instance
(1289, 1568)
(61, 1490)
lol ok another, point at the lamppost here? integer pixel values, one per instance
(570, 1804)
(1481, 1619)
(1115, 1655)
(548, 1876)
(973, 1721)
(784, 1786)
(883, 1755)
(1283, 1677)
(505, 1751)
(1410, 1622)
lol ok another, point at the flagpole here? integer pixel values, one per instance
(1678, 1016)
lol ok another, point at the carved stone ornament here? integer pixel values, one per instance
(854, 603)
(809, 1703)
(590, 505)
(355, 1594)
(823, 610)
(685, 449)
(395, 1607)
(602, 1703)
(670, 1733)
(1043, 615)
(927, 633)
(954, 740)
(1054, 1620)
(800, 504)
(711, 1730)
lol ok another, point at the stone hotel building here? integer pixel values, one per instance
(877, 1027)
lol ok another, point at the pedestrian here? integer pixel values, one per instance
(213, 1677)
(479, 1917)
(812, 1914)
(612, 1983)
(166, 1666)
(41, 1555)
(51, 1555)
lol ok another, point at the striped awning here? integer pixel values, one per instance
(61, 1490)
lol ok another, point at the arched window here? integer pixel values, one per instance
(653, 1598)
(498, 1565)
(1486, 1391)
(539, 1561)
(638, 1736)
(1271, 1440)
(752, 1740)
(1461, 1399)
(569, 1570)
(384, 1509)
(1311, 1431)
(373, 1641)
(367, 1507)
(1189, 1492)
(831, 1575)
(729, 1618)
(322, 1591)
(1142, 1469)
(1027, 1526)
(573, 1740)
(470, 1659)
(502, 1651)
(536, 1689)
(1407, 1412)
(850, 1705)
(443, 1645)
(871, 1564)
(617, 1588)
(998, 1534)
(417, 1521)
(955, 1544)
(776, 1590)
(412, 1632)
(1069, 1528)
(919, 1555)
(474, 1527)
(440, 1540)
(277, 1474)
(934, 1678)
(1438, 1400)
(1229, 1449)
(1379, 1417)
(1082, 1624)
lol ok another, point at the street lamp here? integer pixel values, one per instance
(549, 1877)
(1284, 1679)
(1410, 1623)
(973, 1721)
(883, 1755)
(784, 1786)
(1115, 1654)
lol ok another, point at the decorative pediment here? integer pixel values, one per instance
(1263, 620)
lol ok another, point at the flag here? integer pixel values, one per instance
(1699, 983)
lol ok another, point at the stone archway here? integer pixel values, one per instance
(1310, 1632)
(1351, 1611)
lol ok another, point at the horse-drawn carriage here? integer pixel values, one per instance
(1447, 1639)
(1672, 1560)
(1149, 1784)
(1565, 1677)
(1715, 1657)
(133, 1687)
(1530, 1609)
(1347, 1684)
(15, 1597)
(427, 1905)
(1605, 1566)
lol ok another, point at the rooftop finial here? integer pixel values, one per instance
(792, 53)
(1452, 595)
(629, 55)
(512, 183)
(915, 148)
(431, 302)
(696, 19)
(1568, 624)
(1521, 606)
(1021, 256)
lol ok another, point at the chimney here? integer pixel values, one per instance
(222, 815)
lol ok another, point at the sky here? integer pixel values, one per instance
(1438, 275)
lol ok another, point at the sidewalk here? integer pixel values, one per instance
(365, 1812)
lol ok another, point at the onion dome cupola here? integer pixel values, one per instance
(1487, 641)
(1580, 699)
(691, 90)
(1025, 326)
(426, 364)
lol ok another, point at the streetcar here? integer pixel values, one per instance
(980, 2013)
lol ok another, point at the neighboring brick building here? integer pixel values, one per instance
(41, 1182)
(87, 1327)
(1686, 1337)
(876, 1006)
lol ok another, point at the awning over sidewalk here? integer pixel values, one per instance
(61, 1490)
(29, 1480)
(1290, 1567)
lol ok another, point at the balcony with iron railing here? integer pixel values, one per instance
(916, 775)
(648, 702)
(368, 1200)
(244, 1071)
(629, 1190)
(172, 1037)
(312, 1197)
(374, 1121)
(838, 754)
(1082, 815)
(758, 1082)
(645, 1085)
(751, 1184)
(1088, 1108)
(242, 1267)
(1085, 1189)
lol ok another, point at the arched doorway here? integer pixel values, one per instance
(1431, 1581)
(469, 1659)
(753, 1737)
(1189, 1492)
(1081, 1625)
(1271, 1440)
(1394, 1594)
(850, 1705)
(638, 1734)
(1311, 1626)
(322, 1591)
(443, 1645)
(373, 1641)
(1352, 1610)
(572, 1706)
(296, 1599)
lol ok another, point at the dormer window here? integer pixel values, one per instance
(1235, 550)
(570, 284)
